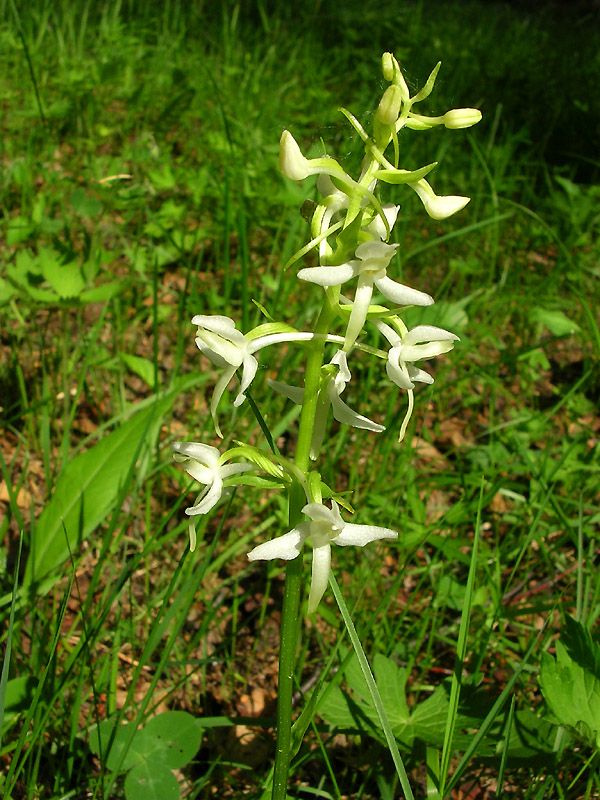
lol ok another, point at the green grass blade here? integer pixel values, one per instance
(460, 653)
(373, 691)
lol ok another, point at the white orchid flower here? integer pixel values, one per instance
(438, 206)
(207, 466)
(329, 395)
(220, 341)
(370, 265)
(424, 341)
(325, 526)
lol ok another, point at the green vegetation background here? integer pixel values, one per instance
(139, 186)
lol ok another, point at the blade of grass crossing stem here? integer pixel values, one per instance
(11, 620)
(461, 650)
(373, 691)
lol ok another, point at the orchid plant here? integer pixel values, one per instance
(350, 235)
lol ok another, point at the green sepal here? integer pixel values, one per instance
(269, 328)
(246, 479)
(258, 457)
(313, 243)
(263, 310)
(346, 242)
(428, 88)
(398, 176)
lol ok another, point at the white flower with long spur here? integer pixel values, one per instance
(220, 341)
(424, 341)
(325, 526)
(207, 466)
(329, 395)
(370, 265)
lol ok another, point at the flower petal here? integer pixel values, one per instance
(328, 276)
(396, 370)
(321, 565)
(287, 546)
(198, 451)
(344, 414)
(428, 333)
(360, 309)
(377, 251)
(417, 352)
(248, 372)
(227, 470)
(417, 374)
(207, 499)
(293, 393)
(217, 394)
(377, 228)
(215, 323)
(402, 295)
(360, 535)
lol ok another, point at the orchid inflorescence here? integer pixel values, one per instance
(350, 231)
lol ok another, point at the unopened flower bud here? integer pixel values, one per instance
(461, 118)
(291, 161)
(389, 106)
(389, 66)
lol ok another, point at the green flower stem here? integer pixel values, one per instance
(288, 642)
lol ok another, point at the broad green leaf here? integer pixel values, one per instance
(151, 781)
(84, 204)
(100, 294)
(86, 492)
(391, 682)
(570, 683)
(113, 744)
(172, 738)
(556, 321)
(429, 717)
(18, 229)
(143, 368)
(18, 696)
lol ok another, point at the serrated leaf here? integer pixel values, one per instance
(63, 276)
(391, 682)
(570, 683)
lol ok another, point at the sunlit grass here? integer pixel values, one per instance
(144, 152)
